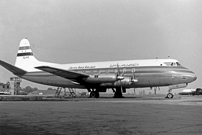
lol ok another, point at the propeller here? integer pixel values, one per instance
(119, 75)
(133, 80)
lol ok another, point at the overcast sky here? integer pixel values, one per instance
(68, 31)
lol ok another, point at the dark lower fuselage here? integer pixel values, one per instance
(147, 77)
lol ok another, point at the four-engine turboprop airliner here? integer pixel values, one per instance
(99, 76)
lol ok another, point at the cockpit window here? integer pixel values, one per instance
(172, 64)
(178, 64)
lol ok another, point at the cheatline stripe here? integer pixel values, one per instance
(25, 54)
(139, 71)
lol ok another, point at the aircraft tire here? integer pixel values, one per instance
(94, 94)
(170, 95)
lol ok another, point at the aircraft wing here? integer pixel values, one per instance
(63, 73)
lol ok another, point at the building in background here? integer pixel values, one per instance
(5, 89)
(12, 87)
(15, 85)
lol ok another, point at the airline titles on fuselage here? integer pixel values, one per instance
(83, 67)
(111, 66)
(124, 65)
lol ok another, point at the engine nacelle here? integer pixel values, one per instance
(124, 82)
(103, 78)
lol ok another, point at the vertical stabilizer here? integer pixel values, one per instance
(25, 58)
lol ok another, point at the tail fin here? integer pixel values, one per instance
(25, 58)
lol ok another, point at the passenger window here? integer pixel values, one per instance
(88, 71)
(79, 71)
(128, 69)
(102, 70)
(111, 71)
(124, 70)
(95, 70)
(107, 70)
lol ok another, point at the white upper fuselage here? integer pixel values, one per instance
(105, 64)
(120, 64)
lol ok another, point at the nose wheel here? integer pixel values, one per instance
(170, 95)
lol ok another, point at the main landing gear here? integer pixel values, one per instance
(94, 94)
(169, 95)
(118, 93)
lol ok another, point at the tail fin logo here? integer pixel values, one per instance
(24, 49)
(25, 59)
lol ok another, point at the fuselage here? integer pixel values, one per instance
(149, 73)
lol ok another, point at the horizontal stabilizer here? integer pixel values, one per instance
(62, 73)
(13, 69)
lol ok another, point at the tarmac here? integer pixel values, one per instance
(104, 116)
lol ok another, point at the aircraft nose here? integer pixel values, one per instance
(190, 77)
(194, 77)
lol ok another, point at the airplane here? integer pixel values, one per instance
(99, 76)
(193, 92)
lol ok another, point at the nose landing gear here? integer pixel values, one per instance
(169, 95)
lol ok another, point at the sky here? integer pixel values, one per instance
(71, 31)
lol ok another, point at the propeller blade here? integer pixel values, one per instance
(119, 76)
(118, 69)
(133, 80)
(133, 73)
